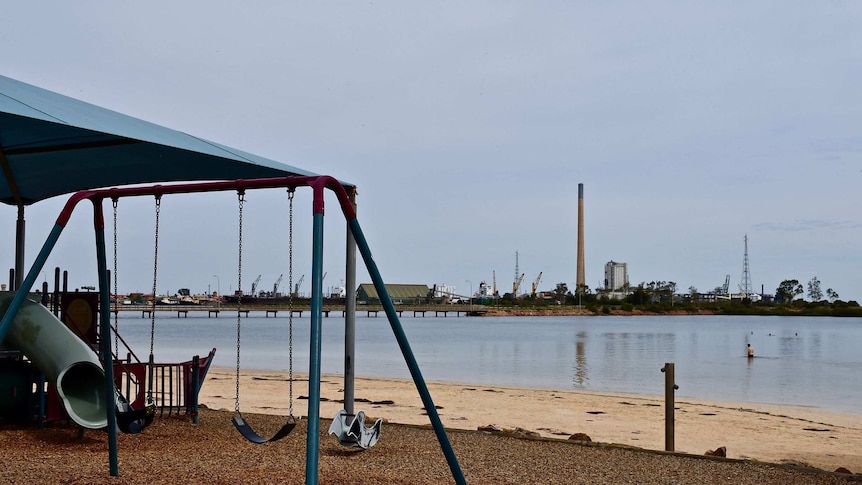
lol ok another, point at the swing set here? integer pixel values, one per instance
(130, 420)
(187, 376)
(347, 425)
(238, 421)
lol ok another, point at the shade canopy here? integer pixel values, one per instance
(51, 144)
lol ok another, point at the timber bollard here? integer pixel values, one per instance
(669, 388)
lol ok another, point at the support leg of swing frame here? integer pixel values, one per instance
(312, 452)
(105, 335)
(407, 352)
(312, 440)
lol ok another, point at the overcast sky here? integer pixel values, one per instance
(467, 127)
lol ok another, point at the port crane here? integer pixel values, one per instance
(297, 285)
(275, 286)
(536, 284)
(725, 289)
(254, 285)
(517, 285)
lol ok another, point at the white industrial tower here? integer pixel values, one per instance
(745, 287)
(515, 283)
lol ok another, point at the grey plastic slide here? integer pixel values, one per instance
(66, 360)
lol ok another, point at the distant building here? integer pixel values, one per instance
(443, 290)
(616, 276)
(406, 294)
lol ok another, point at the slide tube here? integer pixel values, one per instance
(66, 360)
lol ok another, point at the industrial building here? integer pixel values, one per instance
(616, 276)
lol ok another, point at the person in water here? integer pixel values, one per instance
(750, 351)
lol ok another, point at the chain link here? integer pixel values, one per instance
(241, 201)
(290, 193)
(153, 309)
(116, 295)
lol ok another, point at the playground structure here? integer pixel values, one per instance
(66, 360)
(52, 145)
(347, 425)
(58, 334)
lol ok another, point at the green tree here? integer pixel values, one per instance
(832, 295)
(560, 292)
(668, 289)
(692, 293)
(788, 290)
(638, 296)
(584, 295)
(814, 293)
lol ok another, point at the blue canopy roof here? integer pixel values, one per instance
(51, 144)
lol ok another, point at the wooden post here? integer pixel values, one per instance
(669, 388)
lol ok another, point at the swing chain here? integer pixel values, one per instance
(153, 309)
(237, 420)
(290, 193)
(114, 200)
(241, 201)
(155, 275)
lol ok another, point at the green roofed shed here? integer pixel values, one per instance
(407, 294)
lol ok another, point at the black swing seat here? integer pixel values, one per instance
(133, 421)
(248, 433)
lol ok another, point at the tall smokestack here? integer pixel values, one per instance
(581, 281)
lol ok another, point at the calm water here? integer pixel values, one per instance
(800, 360)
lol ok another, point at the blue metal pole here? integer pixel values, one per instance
(105, 336)
(312, 451)
(40, 395)
(401, 337)
(30, 280)
(195, 387)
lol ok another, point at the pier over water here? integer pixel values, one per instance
(273, 310)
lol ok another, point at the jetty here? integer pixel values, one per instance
(213, 311)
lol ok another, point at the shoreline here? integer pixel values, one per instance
(772, 433)
(584, 312)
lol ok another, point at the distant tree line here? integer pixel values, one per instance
(663, 297)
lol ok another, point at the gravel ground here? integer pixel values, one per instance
(175, 451)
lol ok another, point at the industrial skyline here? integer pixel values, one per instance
(465, 128)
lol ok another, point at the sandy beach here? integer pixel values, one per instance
(526, 440)
(764, 432)
(766, 445)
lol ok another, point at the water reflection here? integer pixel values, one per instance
(816, 346)
(746, 383)
(580, 378)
